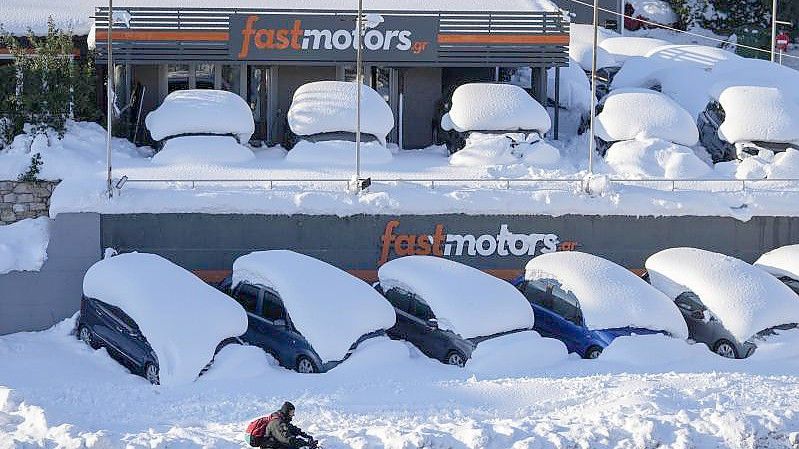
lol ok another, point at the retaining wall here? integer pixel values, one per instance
(21, 200)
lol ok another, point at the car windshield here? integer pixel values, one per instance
(690, 302)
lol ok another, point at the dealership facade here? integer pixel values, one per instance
(414, 59)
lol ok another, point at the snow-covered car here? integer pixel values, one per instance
(634, 113)
(156, 318)
(607, 65)
(587, 301)
(727, 303)
(783, 263)
(308, 314)
(742, 121)
(446, 309)
(202, 126)
(493, 108)
(322, 120)
(638, 12)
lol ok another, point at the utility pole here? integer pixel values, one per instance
(358, 86)
(773, 31)
(592, 143)
(109, 97)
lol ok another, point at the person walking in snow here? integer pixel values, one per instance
(281, 434)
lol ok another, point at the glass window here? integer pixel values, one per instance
(350, 73)
(177, 77)
(399, 299)
(566, 305)
(247, 296)
(273, 307)
(231, 78)
(518, 76)
(204, 76)
(716, 112)
(536, 292)
(690, 302)
(256, 75)
(381, 82)
(422, 310)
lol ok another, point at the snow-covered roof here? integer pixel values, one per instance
(465, 300)
(631, 113)
(758, 113)
(744, 298)
(203, 150)
(201, 111)
(583, 53)
(610, 296)
(330, 106)
(783, 261)
(495, 107)
(655, 158)
(182, 317)
(23, 245)
(331, 308)
(622, 48)
(76, 14)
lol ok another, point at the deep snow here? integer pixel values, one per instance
(389, 395)
(23, 245)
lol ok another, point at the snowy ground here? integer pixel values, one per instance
(55, 392)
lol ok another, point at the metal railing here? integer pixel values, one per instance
(526, 184)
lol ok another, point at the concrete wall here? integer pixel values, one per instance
(31, 301)
(21, 200)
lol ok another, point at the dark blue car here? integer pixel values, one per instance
(270, 328)
(558, 315)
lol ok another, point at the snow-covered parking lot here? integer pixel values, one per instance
(56, 392)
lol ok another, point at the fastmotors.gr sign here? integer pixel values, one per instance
(289, 37)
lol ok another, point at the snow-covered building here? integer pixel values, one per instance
(416, 53)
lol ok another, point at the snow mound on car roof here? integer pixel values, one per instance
(585, 33)
(701, 56)
(655, 158)
(583, 53)
(201, 111)
(758, 113)
(183, 318)
(783, 261)
(330, 106)
(495, 107)
(744, 298)
(622, 48)
(755, 72)
(610, 296)
(631, 113)
(465, 300)
(331, 308)
(203, 150)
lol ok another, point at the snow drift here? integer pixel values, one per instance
(655, 158)
(495, 107)
(202, 150)
(330, 106)
(583, 53)
(483, 150)
(758, 113)
(575, 88)
(783, 261)
(331, 308)
(744, 298)
(465, 300)
(201, 111)
(23, 245)
(631, 113)
(516, 354)
(182, 317)
(610, 296)
(338, 152)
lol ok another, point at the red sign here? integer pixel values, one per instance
(782, 41)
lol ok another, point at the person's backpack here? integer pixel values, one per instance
(256, 430)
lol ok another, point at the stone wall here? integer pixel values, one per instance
(21, 200)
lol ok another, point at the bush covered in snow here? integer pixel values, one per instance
(640, 113)
(183, 318)
(495, 107)
(201, 111)
(330, 106)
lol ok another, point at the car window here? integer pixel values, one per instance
(273, 307)
(716, 112)
(247, 296)
(566, 305)
(421, 310)
(399, 299)
(536, 292)
(125, 318)
(690, 302)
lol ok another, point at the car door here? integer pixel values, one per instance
(116, 333)
(570, 325)
(135, 344)
(539, 295)
(248, 297)
(275, 334)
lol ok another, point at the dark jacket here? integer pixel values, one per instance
(280, 433)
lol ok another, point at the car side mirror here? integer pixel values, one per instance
(432, 323)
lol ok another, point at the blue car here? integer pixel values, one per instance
(558, 315)
(270, 328)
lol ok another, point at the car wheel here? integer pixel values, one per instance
(151, 373)
(455, 358)
(725, 349)
(593, 352)
(85, 335)
(305, 366)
